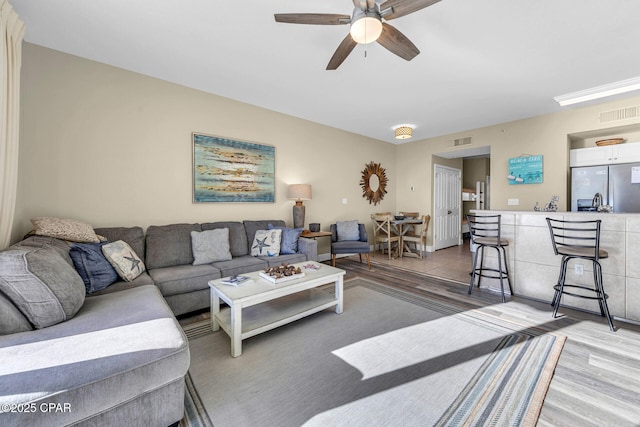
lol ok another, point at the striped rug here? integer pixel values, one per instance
(425, 363)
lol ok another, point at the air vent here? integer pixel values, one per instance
(462, 141)
(621, 114)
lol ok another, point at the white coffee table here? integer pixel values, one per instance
(260, 306)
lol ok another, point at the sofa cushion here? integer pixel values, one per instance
(169, 245)
(11, 319)
(96, 271)
(250, 228)
(210, 245)
(123, 259)
(65, 229)
(240, 265)
(121, 285)
(41, 284)
(289, 241)
(119, 347)
(237, 236)
(181, 279)
(348, 230)
(134, 236)
(266, 243)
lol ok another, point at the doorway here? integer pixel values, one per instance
(446, 206)
(475, 166)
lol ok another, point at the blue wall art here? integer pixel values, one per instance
(227, 170)
(525, 170)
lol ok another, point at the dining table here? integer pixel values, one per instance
(402, 227)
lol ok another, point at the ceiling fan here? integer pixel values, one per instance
(367, 26)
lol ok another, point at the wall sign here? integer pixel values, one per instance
(525, 170)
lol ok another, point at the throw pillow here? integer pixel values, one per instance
(11, 319)
(210, 246)
(96, 271)
(266, 243)
(125, 261)
(290, 236)
(65, 229)
(41, 284)
(348, 230)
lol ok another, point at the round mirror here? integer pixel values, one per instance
(374, 183)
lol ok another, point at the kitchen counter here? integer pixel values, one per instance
(534, 268)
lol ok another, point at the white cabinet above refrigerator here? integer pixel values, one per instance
(608, 155)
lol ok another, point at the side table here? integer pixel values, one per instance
(315, 234)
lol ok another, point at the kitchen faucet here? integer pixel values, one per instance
(597, 200)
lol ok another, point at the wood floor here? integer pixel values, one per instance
(597, 380)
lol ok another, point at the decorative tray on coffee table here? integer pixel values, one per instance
(281, 273)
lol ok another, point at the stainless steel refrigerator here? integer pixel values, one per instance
(619, 186)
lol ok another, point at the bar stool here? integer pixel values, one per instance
(579, 240)
(485, 232)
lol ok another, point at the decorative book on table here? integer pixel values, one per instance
(236, 280)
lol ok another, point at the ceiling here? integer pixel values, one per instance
(481, 62)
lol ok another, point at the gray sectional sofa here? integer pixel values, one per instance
(117, 356)
(169, 258)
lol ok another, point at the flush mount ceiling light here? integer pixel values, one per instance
(597, 92)
(404, 132)
(366, 26)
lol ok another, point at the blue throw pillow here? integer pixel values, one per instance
(289, 242)
(96, 271)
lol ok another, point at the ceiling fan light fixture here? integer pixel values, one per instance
(404, 132)
(366, 27)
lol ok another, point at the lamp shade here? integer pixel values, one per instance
(404, 132)
(299, 192)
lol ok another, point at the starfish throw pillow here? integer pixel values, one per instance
(123, 259)
(266, 243)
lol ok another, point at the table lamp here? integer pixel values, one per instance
(299, 192)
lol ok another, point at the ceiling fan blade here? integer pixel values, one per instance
(341, 52)
(403, 7)
(313, 18)
(397, 43)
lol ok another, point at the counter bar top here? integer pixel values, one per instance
(534, 267)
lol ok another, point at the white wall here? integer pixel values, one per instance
(549, 135)
(113, 148)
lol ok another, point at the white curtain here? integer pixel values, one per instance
(11, 35)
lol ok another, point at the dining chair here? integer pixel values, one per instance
(418, 238)
(410, 228)
(383, 233)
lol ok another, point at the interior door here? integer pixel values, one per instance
(446, 206)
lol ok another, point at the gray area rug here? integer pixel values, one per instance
(392, 358)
